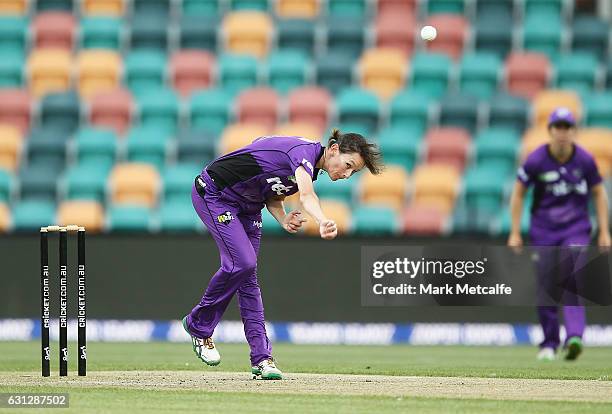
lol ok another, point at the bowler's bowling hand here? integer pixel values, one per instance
(293, 221)
(328, 229)
(515, 242)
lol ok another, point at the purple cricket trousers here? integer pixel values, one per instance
(573, 316)
(237, 236)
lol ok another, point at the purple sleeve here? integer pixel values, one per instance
(528, 171)
(591, 173)
(303, 156)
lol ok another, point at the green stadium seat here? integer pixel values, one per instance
(47, 148)
(576, 72)
(6, 186)
(261, 5)
(336, 190)
(358, 108)
(345, 35)
(599, 110)
(96, 146)
(400, 147)
(543, 7)
(270, 225)
(479, 74)
(100, 32)
(210, 110)
(296, 34)
(32, 215)
(196, 146)
(287, 70)
(370, 220)
(149, 32)
(446, 6)
(237, 72)
(493, 34)
(126, 218)
(590, 35)
(178, 180)
(12, 63)
(60, 111)
(460, 111)
(542, 33)
(148, 144)
(154, 8)
(490, 8)
(497, 147)
(352, 8)
(13, 34)
(430, 73)
(409, 110)
(334, 72)
(482, 194)
(198, 32)
(503, 221)
(85, 182)
(508, 111)
(159, 109)
(39, 182)
(200, 7)
(467, 221)
(47, 5)
(178, 216)
(144, 71)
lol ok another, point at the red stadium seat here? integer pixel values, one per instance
(424, 221)
(15, 108)
(112, 109)
(527, 73)
(191, 70)
(452, 33)
(395, 30)
(310, 105)
(448, 146)
(259, 106)
(398, 7)
(54, 29)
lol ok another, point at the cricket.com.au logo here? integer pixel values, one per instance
(225, 218)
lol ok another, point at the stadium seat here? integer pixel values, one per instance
(259, 5)
(334, 72)
(452, 31)
(14, 7)
(339, 190)
(430, 73)
(599, 110)
(401, 7)
(101, 32)
(296, 34)
(6, 185)
(503, 222)
(445, 6)
(89, 214)
(32, 215)
(47, 148)
(497, 147)
(390, 188)
(153, 8)
(11, 143)
(198, 31)
(542, 34)
(448, 145)
(178, 216)
(210, 110)
(287, 70)
(383, 71)
(98, 71)
(144, 71)
(112, 109)
(310, 105)
(345, 35)
(63, 5)
(200, 8)
(548, 100)
(479, 74)
(49, 71)
(543, 7)
(598, 141)
(507, 111)
(335, 210)
(493, 34)
(149, 32)
(247, 32)
(258, 106)
(54, 29)
(343, 8)
(196, 146)
(85, 182)
(435, 186)
(294, 129)
(178, 180)
(409, 110)
(532, 139)
(460, 111)
(39, 182)
(60, 111)
(490, 8)
(374, 220)
(400, 147)
(134, 184)
(95, 146)
(148, 144)
(482, 194)
(395, 30)
(306, 9)
(114, 8)
(128, 218)
(423, 221)
(590, 35)
(191, 70)
(236, 72)
(577, 72)
(159, 109)
(358, 109)
(15, 108)
(13, 34)
(238, 135)
(5, 218)
(527, 73)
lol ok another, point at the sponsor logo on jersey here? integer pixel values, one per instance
(225, 218)
(257, 224)
(549, 176)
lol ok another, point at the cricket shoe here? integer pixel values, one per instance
(574, 348)
(267, 370)
(204, 348)
(546, 354)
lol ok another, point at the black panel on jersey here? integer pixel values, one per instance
(231, 170)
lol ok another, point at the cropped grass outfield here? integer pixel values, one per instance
(166, 377)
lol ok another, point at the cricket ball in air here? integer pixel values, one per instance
(428, 33)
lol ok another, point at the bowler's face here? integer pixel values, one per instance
(342, 166)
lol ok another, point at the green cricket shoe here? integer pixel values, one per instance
(267, 370)
(204, 348)
(574, 348)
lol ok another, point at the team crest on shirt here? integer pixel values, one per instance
(577, 173)
(225, 218)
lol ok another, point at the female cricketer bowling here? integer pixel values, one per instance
(229, 195)
(564, 177)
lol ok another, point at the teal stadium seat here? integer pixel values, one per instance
(296, 34)
(493, 8)
(178, 180)
(47, 148)
(32, 215)
(502, 224)
(178, 216)
(497, 147)
(483, 194)
(468, 221)
(493, 34)
(13, 34)
(144, 71)
(353, 8)
(210, 110)
(200, 7)
(61, 112)
(459, 111)
(100, 32)
(128, 218)
(287, 70)
(12, 63)
(358, 109)
(599, 110)
(159, 109)
(86, 182)
(374, 221)
(148, 144)
(96, 146)
(237, 72)
(430, 73)
(6, 186)
(542, 33)
(590, 35)
(409, 110)
(577, 72)
(479, 74)
(159, 8)
(334, 72)
(53, 5)
(39, 182)
(261, 5)
(508, 111)
(196, 147)
(345, 35)
(335, 190)
(149, 32)
(546, 7)
(446, 6)
(400, 147)
(198, 31)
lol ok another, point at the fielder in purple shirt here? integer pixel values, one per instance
(564, 177)
(229, 195)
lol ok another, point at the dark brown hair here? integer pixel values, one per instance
(355, 143)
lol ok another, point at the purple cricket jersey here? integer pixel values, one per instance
(561, 191)
(262, 169)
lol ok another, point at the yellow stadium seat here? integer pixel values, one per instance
(50, 71)
(103, 7)
(598, 141)
(546, 101)
(436, 186)
(10, 147)
(335, 210)
(134, 183)
(5, 218)
(98, 71)
(13, 7)
(389, 188)
(383, 71)
(248, 32)
(236, 136)
(88, 214)
(299, 130)
(532, 139)
(305, 9)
